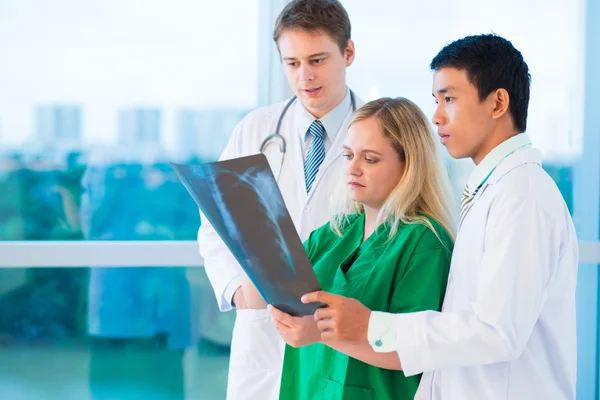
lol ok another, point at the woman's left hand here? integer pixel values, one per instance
(295, 331)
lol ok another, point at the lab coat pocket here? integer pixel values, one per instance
(335, 390)
(255, 344)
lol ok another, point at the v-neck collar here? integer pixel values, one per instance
(345, 248)
(355, 232)
(353, 239)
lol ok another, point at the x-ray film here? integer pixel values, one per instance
(242, 201)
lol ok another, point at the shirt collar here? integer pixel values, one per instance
(519, 157)
(332, 121)
(485, 168)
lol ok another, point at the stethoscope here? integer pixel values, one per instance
(280, 140)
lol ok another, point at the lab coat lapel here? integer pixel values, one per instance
(296, 157)
(514, 160)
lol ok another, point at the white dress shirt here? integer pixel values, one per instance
(332, 122)
(507, 326)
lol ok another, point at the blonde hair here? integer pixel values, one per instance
(423, 189)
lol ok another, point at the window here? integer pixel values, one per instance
(396, 41)
(96, 99)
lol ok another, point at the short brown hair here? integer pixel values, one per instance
(327, 16)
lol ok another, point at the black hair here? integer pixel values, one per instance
(491, 63)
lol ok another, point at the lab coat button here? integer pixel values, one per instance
(307, 209)
(378, 343)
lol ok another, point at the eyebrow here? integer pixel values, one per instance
(316, 55)
(364, 151)
(443, 90)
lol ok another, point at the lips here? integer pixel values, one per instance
(353, 184)
(312, 92)
(443, 136)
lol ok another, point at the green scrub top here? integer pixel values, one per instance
(405, 274)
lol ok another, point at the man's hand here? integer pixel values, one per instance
(295, 331)
(238, 299)
(344, 319)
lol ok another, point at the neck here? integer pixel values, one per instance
(370, 221)
(495, 139)
(320, 113)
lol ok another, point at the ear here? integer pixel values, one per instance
(349, 53)
(501, 101)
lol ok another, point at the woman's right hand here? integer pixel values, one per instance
(295, 331)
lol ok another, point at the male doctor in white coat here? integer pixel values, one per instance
(313, 39)
(507, 326)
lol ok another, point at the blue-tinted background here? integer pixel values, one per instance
(97, 97)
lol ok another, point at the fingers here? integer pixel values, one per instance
(326, 325)
(311, 297)
(320, 297)
(281, 328)
(330, 336)
(275, 312)
(281, 317)
(324, 313)
(284, 331)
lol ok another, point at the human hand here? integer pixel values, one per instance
(295, 331)
(344, 319)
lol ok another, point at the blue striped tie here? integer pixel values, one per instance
(316, 153)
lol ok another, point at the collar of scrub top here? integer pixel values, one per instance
(489, 163)
(332, 121)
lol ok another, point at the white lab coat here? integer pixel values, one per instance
(507, 327)
(256, 349)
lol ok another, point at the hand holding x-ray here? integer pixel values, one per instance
(242, 201)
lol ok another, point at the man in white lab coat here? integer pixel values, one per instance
(507, 326)
(313, 39)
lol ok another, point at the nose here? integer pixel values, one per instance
(306, 72)
(439, 116)
(354, 167)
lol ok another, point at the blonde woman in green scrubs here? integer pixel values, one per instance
(388, 246)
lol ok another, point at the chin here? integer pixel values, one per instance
(315, 104)
(355, 198)
(456, 154)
